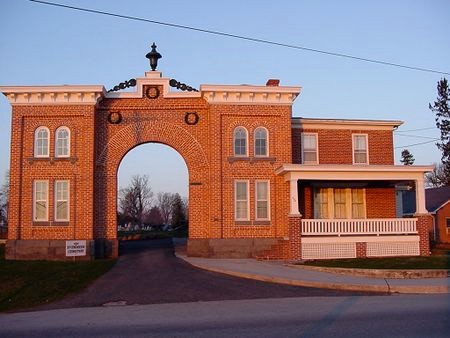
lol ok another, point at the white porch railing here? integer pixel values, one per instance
(343, 227)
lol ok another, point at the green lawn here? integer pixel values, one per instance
(393, 263)
(25, 284)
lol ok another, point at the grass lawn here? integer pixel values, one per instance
(393, 263)
(25, 284)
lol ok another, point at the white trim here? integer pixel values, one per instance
(303, 149)
(247, 182)
(51, 95)
(315, 123)
(347, 171)
(35, 200)
(267, 199)
(36, 131)
(56, 201)
(68, 141)
(246, 142)
(366, 136)
(361, 239)
(245, 94)
(267, 142)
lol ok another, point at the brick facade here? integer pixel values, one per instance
(98, 146)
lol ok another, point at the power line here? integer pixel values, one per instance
(242, 37)
(407, 131)
(414, 144)
(419, 136)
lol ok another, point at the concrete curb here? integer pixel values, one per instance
(417, 289)
(378, 273)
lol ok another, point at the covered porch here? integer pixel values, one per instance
(345, 211)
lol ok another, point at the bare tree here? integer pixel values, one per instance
(136, 199)
(164, 202)
(4, 200)
(436, 178)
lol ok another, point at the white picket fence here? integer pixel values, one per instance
(344, 227)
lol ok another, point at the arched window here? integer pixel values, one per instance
(62, 142)
(240, 141)
(261, 141)
(41, 142)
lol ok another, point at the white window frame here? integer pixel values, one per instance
(68, 141)
(57, 200)
(267, 141)
(348, 203)
(35, 148)
(247, 182)
(246, 142)
(366, 136)
(35, 200)
(267, 200)
(316, 135)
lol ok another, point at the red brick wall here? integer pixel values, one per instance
(380, 203)
(335, 145)
(78, 169)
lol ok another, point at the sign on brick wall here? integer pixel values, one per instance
(75, 248)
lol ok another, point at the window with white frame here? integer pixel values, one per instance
(240, 141)
(262, 200)
(261, 142)
(339, 203)
(360, 149)
(309, 148)
(241, 200)
(62, 201)
(40, 201)
(62, 142)
(447, 220)
(41, 142)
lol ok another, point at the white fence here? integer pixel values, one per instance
(344, 227)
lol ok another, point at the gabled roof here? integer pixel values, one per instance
(437, 197)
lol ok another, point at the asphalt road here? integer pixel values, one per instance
(354, 316)
(148, 272)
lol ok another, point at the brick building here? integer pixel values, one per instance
(261, 183)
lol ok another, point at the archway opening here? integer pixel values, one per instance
(152, 194)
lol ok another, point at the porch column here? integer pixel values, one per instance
(295, 223)
(420, 197)
(293, 211)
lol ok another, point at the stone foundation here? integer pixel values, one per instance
(35, 249)
(229, 247)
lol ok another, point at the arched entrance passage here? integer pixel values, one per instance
(125, 139)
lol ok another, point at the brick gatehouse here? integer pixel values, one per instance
(261, 183)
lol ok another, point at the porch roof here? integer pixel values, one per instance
(352, 172)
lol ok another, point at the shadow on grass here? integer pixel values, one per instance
(389, 263)
(24, 284)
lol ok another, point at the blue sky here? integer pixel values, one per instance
(44, 45)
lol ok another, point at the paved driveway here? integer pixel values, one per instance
(147, 272)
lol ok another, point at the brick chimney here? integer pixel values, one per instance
(272, 83)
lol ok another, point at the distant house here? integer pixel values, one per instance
(438, 204)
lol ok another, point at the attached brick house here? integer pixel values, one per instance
(261, 183)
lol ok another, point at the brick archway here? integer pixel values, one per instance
(116, 148)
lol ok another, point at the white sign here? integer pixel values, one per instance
(75, 248)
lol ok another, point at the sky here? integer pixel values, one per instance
(44, 45)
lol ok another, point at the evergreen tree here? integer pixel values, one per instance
(407, 157)
(178, 214)
(441, 107)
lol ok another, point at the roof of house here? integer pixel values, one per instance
(437, 197)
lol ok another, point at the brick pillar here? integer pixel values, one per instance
(361, 249)
(424, 227)
(295, 230)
